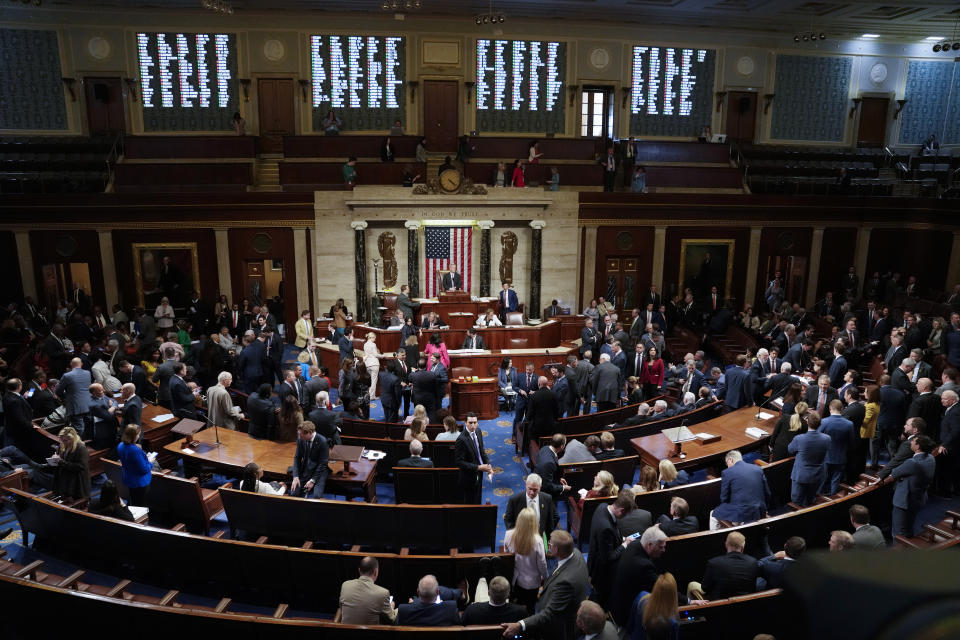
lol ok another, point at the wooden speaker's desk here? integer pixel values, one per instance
(478, 397)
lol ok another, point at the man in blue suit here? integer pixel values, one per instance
(425, 611)
(744, 493)
(912, 477)
(692, 379)
(838, 368)
(74, 391)
(345, 344)
(526, 384)
(893, 413)
(619, 359)
(842, 440)
(811, 450)
(250, 364)
(735, 390)
(761, 369)
(508, 301)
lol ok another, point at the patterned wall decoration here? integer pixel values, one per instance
(670, 118)
(929, 100)
(812, 98)
(30, 75)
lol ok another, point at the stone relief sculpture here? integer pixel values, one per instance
(386, 242)
(508, 242)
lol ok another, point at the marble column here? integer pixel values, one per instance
(536, 249)
(953, 267)
(25, 258)
(813, 274)
(413, 257)
(109, 265)
(659, 247)
(860, 254)
(222, 237)
(485, 226)
(753, 263)
(300, 259)
(589, 271)
(360, 266)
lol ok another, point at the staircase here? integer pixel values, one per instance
(267, 173)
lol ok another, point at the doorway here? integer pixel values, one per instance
(441, 114)
(105, 113)
(275, 99)
(596, 112)
(263, 279)
(741, 115)
(794, 272)
(872, 131)
(58, 281)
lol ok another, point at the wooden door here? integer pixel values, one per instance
(276, 110)
(441, 114)
(741, 115)
(105, 112)
(254, 282)
(872, 131)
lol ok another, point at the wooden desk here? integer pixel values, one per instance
(729, 427)
(479, 397)
(237, 449)
(158, 434)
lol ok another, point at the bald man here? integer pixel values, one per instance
(74, 391)
(543, 410)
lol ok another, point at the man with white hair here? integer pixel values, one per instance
(660, 410)
(425, 611)
(606, 383)
(220, 407)
(949, 449)
(542, 504)
(416, 448)
(900, 378)
(688, 403)
(636, 572)
(328, 423)
(744, 493)
(132, 405)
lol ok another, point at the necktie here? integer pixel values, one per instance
(528, 381)
(476, 445)
(821, 402)
(714, 302)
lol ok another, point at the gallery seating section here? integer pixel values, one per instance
(54, 164)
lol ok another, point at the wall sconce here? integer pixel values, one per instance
(625, 92)
(468, 89)
(573, 89)
(413, 84)
(767, 101)
(303, 88)
(900, 105)
(720, 96)
(853, 109)
(70, 82)
(245, 84)
(132, 87)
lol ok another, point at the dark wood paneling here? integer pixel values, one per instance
(104, 99)
(615, 242)
(695, 177)
(389, 173)
(588, 174)
(276, 111)
(836, 257)
(123, 241)
(11, 289)
(346, 146)
(441, 114)
(741, 115)
(779, 241)
(281, 248)
(201, 173)
(519, 147)
(920, 252)
(873, 122)
(671, 258)
(682, 152)
(45, 244)
(189, 146)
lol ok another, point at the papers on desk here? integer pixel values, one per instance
(465, 351)
(138, 512)
(756, 432)
(763, 415)
(188, 451)
(679, 434)
(778, 403)
(703, 435)
(373, 454)
(163, 417)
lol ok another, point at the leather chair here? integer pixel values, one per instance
(514, 319)
(519, 343)
(456, 372)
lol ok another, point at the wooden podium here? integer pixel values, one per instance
(479, 397)
(453, 296)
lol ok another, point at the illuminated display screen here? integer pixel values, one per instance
(520, 85)
(359, 78)
(672, 90)
(187, 80)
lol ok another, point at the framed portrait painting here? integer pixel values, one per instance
(165, 269)
(706, 263)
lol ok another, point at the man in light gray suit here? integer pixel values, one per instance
(404, 303)
(563, 591)
(605, 381)
(362, 601)
(865, 535)
(74, 391)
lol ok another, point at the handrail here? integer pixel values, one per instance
(116, 150)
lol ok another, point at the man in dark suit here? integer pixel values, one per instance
(636, 521)
(56, 349)
(900, 379)
(542, 411)
(40, 395)
(473, 341)
(404, 303)
(605, 382)
(424, 386)
(606, 544)
(250, 364)
(679, 521)
(452, 281)
(74, 391)
(312, 387)
(896, 354)
(440, 372)
(425, 611)
(744, 493)
(732, 574)
(261, 412)
(948, 457)
(508, 301)
(735, 391)
(389, 395)
(635, 360)
(865, 535)
(811, 449)
(779, 383)
(843, 439)
(291, 387)
(927, 405)
(472, 460)
(838, 368)
(772, 568)
(181, 398)
(401, 370)
(134, 373)
(548, 468)
(608, 447)
(798, 355)
(589, 338)
(911, 429)
(132, 405)
(309, 463)
(636, 572)
(820, 396)
(327, 423)
(17, 415)
(893, 413)
(692, 379)
(855, 412)
(416, 448)
(273, 355)
(562, 593)
(913, 478)
(652, 297)
(537, 500)
(345, 345)
(498, 610)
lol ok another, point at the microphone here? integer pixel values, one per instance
(216, 432)
(763, 404)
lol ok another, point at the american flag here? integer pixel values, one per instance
(447, 247)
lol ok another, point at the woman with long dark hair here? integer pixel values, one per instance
(651, 376)
(250, 481)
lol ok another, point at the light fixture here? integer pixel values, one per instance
(870, 35)
(823, 36)
(937, 47)
(400, 5)
(218, 6)
(490, 17)
(933, 38)
(900, 105)
(956, 46)
(809, 36)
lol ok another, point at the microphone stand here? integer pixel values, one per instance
(216, 432)
(677, 446)
(762, 405)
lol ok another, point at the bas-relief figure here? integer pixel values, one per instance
(508, 243)
(386, 242)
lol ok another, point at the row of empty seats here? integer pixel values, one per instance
(821, 186)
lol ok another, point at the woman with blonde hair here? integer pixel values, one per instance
(418, 430)
(529, 557)
(648, 480)
(419, 413)
(603, 487)
(70, 466)
(655, 613)
(868, 430)
(136, 465)
(787, 428)
(670, 477)
(371, 358)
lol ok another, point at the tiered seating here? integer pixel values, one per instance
(426, 485)
(942, 535)
(795, 170)
(733, 342)
(54, 164)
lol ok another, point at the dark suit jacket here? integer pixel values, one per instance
(950, 430)
(181, 398)
(636, 572)
(735, 391)
(287, 389)
(562, 594)
(328, 424)
(605, 549)
(901, 381)
(543, 410)
(813, 394)
(548, 469)
(74, 390)
(678, 526)
(779, 384)
(548, 511)
(607, 454)
(389, 390)
(452, 280)
(478, 343)
(855, 413)
(418, 614)
(589, 340)
(903, 453)
(744, 493)
(811, 450)
(415, 462)
(310, 459)
(913, 477)
(260, 412)
(893, 410)
(605, 381)
(486, 613)
(772, 569)
(424, 389)
(132, 411)
(17, 415)
(732, 574)
(465, 456)
(637, 521)
(842, 438)
(345, 345)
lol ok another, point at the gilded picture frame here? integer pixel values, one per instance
(700, 275)
(153, 281)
